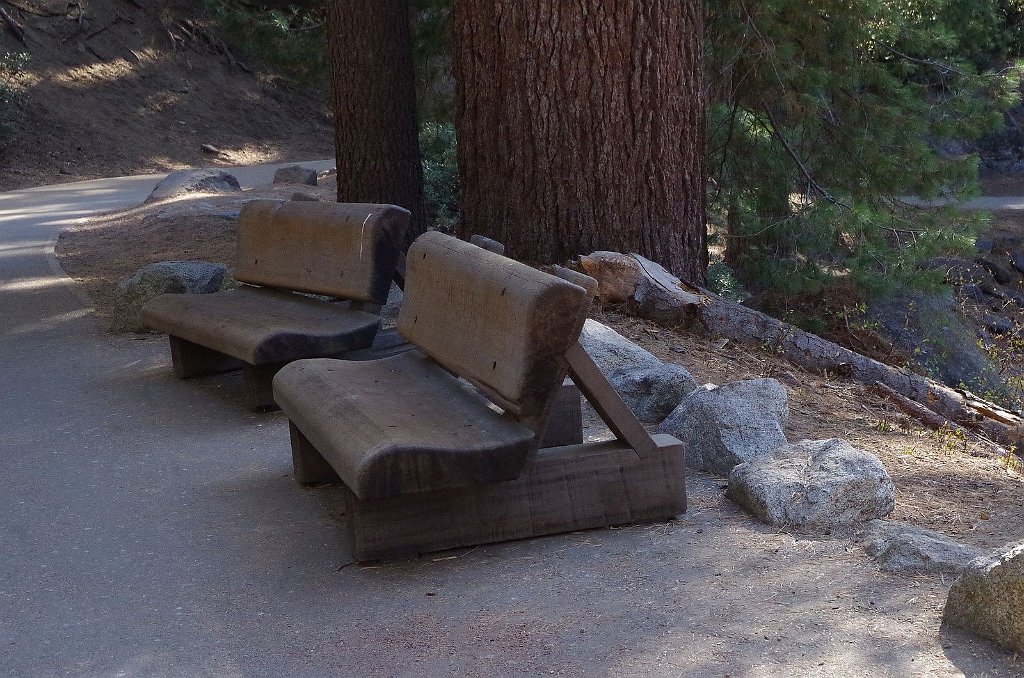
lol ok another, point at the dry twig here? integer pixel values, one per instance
(12, 23)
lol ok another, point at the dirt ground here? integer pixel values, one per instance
(118, 88)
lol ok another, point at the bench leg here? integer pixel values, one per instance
(565, 425)
(190, 360)
(309, 466)
(259, 389)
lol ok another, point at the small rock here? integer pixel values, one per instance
(211, 149)
(178, 277)
(650, 388)
(302, 196)
(194, 181)
(617, 275)
(901, 547)
(730, 424)
(819, 485)
(1003, 274)
(961, 271)
(295, 174)
(997, 324)
(988, 598)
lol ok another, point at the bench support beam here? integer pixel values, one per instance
(190, 360)
(310, 467)
(259, 390)
(565, 423)
(567, 489)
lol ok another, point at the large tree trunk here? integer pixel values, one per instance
(581, 127)
(374, 100)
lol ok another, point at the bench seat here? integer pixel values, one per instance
(262, 326)
(438, 434)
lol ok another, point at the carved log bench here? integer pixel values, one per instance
(287, 251)
(439, 447)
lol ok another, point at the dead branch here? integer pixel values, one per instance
(31, 10)
(661, 297)
(932, 419)
(16, 28)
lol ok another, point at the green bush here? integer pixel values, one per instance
(12, 69)
(440, 173)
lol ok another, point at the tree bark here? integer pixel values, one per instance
(581, 128)
(374, 101)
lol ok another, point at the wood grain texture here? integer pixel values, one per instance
(564, 423)
(401, 425)
(260, 325)
(568, 488)
(500, 324)
(581, 128)
(340, 250)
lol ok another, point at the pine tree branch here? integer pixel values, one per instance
(811, 181)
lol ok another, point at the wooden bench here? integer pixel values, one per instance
(287, 251)
(429, 462)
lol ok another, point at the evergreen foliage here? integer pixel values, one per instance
(440, 174)
(289, 36)
(825, 115)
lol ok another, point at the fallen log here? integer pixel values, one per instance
(663, 298)
(934, 420)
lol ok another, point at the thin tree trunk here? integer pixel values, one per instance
(374, 101)
(581, 127)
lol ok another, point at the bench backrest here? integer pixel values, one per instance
(337, 249)
(499, 324)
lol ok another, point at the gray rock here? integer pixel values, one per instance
(960, 272)
(650, 388)
(819, 485)
(972, 292)
(904, 548)
(194, 181)
(997, 324)
(295, 174)
(1007, 243)
(178, 277)
(1003, 274)
(932, 330)
(730, 424)
(303, 196)
(1017, 259)
(988, 598)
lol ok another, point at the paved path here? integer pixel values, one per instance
(150, 527)
(987, 203)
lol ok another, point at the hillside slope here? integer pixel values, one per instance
(124, 86)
